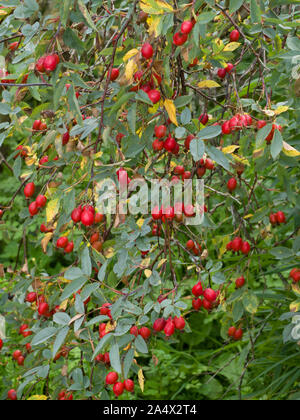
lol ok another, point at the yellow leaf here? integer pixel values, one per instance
(46, 239)
(296, 289)
(240, 159)
(232, 46)
(52, 209)
(230, 149)
(110, 326)
(31, 160)
(269, 112)
(140, 222)
(130, 54)
(208, 84)
(64, 305)
(295, 306)
(153, 23)
(171, 110)
(161, 262)
(109, 253)
(157, 7)
(37, 398)
(248, 216)
(141, 379)
(258, 153)
(145, 263)
(281, 109)
(148, 273)
(97, 155)
(290, 150)
(130, 69)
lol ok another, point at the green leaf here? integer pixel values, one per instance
(86, 15)
(262, 135)
(128, 362)
(73, 273)
(255, 12)
(234, 5)
(197, 148)
(182, 101)
(250, 302)
(218, 156)
(61, 318)
(282, 252)
(73, 287)
(61, 336)
(43, 335)
(72, 41)
(17, 167)
(114, 356)
(209, 132)
(277, 144)
(237, 311)
(141, 345)
(105, 340)
(86, 264)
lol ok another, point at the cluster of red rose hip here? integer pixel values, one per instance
(39, 202)
(119, 387)
(186, 28)
(47, 64)
(238, 122)
(210, 297)
(238, 245)
(277, 218)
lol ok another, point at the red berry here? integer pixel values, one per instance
(197, 304)
(240, 282)
(154, 96)
(226, 128)
(260, 124)
(111, 378)
(23, 328)
(232, 184)
(231, 331)
(129, 385)
(179, 323)
(43, 308)
(157, 145)
(118, 389)
(12, 395)
(87, 218)
(229, 68)
(39, 66)
(190, 245)
(145, 332)
(234, 36)
(114, 74)
(203, 119)
(197, 290)
(170, 144)
(179, 39)
(169, 329)
(69, 248)
(29, 190)
(20, 360)
(210, 295)
(66, 138)
(295, 275)
(222, 73)
(147, 51)
(36, 125)
(159, 324)
(62, 242)
(273, 219)
(188, 140)
(186, 27)
(17, 354)
(238, 335)
(31, 297)
(76, 215)
(237, 244)
(33, 209)
(1, 344)
(281, 217)
(41, 201)
(134, 330)
(160, 131)
(207, 304)
(246, 248)
(50, 63)
(209, 164)
(156, 213)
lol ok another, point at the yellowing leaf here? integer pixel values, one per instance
(232, 46)
(46, 239)
(130, 54)
(110, 326)
(295, 306)
(109, 253)
(153, 23)
(155, 7)
(208, 84)
(290, 150)
(240, 159)
(130, 69)
(296, 289)
(52, 209)
(140, 222)
(230, 149)
(161, 262)
(248, 216)
(258, 153)
(281, 109)
(141, 379)
(145, 263)
(64, 305)
(37, 398)
(148, 273)
(171, 110)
